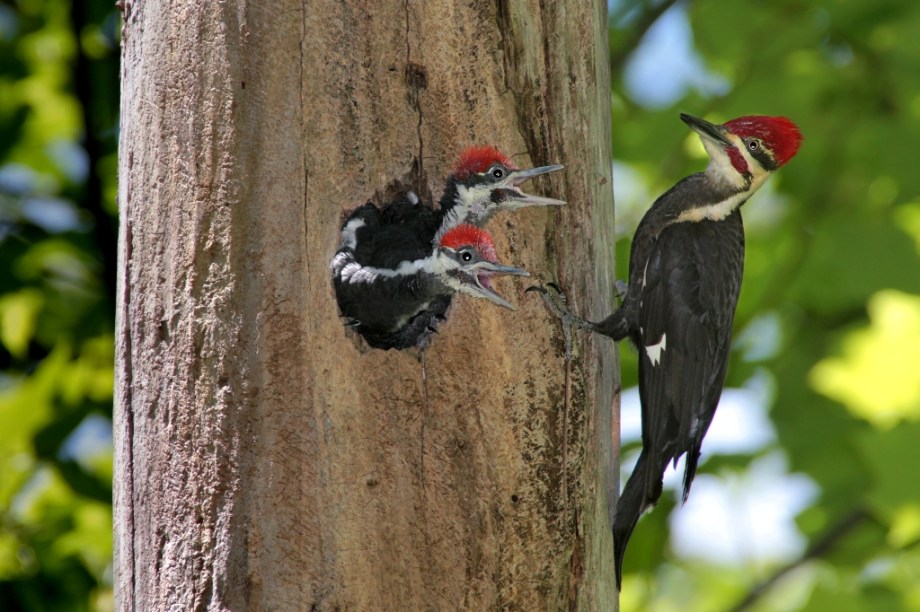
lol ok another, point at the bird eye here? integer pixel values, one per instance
(753, 145)
(498, 172)
(466, 256)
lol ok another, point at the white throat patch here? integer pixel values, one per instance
(715, 212)
(720, 169)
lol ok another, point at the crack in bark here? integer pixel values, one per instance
(567, 408)
(546, 94)
(306, 223)
(415, 80)
(425, 406)
(576, 570)
(128, 407)
(502, 20)
(303, 137)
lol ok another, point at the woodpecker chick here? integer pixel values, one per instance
(685, 272)
(485, 182)
(387, 286)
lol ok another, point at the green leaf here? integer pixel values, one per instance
(19, 313)
(876, 374)
(891, 456)
(838, 272)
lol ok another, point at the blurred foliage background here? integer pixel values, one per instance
(58, 129)
(827, 332)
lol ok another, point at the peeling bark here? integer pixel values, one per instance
(265, 458)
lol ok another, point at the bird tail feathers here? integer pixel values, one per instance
(641, 492)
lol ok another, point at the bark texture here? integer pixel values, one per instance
(265, 458)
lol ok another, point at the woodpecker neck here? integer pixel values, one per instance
(732, 178)
(717, 211)
(466, 204)
(697, 197)
(452, 218)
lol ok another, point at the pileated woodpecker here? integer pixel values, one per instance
(386, 293)
(483, 183)
(685, 273)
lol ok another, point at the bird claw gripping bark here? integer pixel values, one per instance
(556, 301)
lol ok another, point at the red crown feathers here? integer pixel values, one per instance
(780, 134)
(465, 235)
(478, 159)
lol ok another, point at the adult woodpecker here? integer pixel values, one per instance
(685, 274)
(482, 183)
(386, 288)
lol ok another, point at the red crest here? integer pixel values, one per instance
(781, 135)
(465, 235)
(476, 160)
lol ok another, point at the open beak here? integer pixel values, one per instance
(478, 280)
(709, 131)
(520, 199)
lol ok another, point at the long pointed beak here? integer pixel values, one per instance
(520, 198)
(707, 130)
(521, 176)
(478, 281)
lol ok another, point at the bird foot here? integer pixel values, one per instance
(556, 301)
(558, 304)
(621, 286)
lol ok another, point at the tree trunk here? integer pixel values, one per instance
(265, 457)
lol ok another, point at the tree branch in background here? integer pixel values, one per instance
(820, 547)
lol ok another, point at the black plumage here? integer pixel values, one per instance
(404, 311)
(685, 278)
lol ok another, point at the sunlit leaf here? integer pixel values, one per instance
(908, 217)
(876, 375)
(18, 318)
(905, 525)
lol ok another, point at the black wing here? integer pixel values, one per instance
(685, 321)
(408, 226)
(403, 230)
(680, 311)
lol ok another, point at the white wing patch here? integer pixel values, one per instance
(348, 270)
(654, 350)
(353, 272)
(349, 237)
